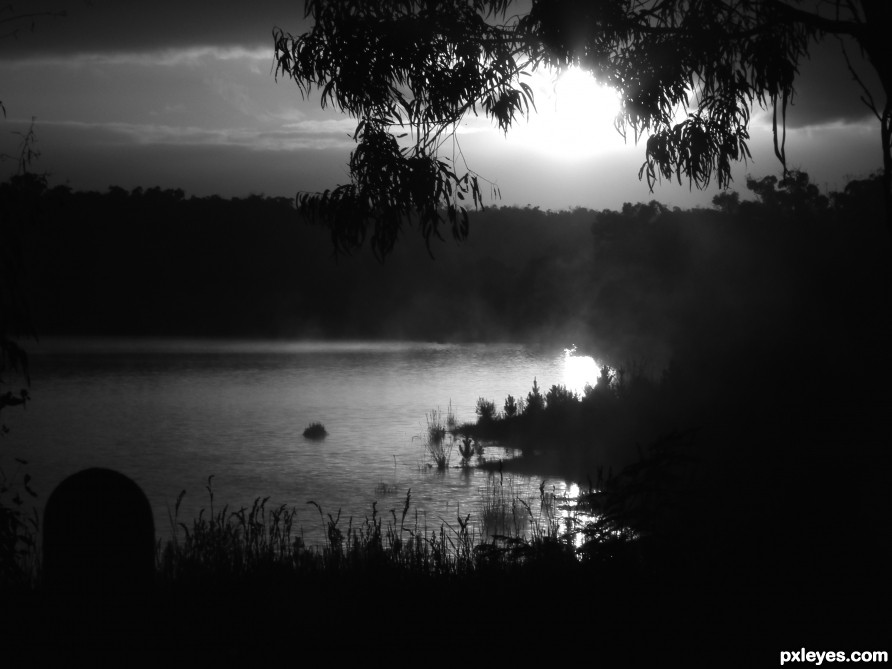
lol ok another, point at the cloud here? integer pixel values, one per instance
(237, 95)
(94, 156)
(296, 136)
(108, 26)
(198, 95)
(826, 92)
(191, 56)
(341, 126)
(176, 34)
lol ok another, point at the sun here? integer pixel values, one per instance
(579, 370)
(574, 116)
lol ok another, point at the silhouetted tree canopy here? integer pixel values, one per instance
(411, 70)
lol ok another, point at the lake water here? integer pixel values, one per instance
(170, 413)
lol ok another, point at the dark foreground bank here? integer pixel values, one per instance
(240, 588)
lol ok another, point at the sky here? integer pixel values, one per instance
(183, 95)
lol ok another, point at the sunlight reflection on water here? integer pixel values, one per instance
(579, 371)
(170, 413)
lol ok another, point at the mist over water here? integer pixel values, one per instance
(169, 413)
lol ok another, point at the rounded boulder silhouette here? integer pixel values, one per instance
(98, 535)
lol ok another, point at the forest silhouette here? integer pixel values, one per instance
(645, 282)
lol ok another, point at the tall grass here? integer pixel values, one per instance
(503, 512)
(229, 542)
(438, 441)
(451, 422)
(220, 545)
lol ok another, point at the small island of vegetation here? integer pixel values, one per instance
(315, 430)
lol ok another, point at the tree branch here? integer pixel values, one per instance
(817, 22)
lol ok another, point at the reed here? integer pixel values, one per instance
(503, 512)
(438, 443)
(436, 425)
(227, 544)
(451, 422)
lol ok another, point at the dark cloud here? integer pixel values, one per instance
(96, 157)
(112, 25)
(826, 91)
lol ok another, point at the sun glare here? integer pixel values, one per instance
(579, 370)
(574, 116)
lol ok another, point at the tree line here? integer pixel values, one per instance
(628, 282)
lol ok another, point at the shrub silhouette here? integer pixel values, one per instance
(486, 410)
(315, 431)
